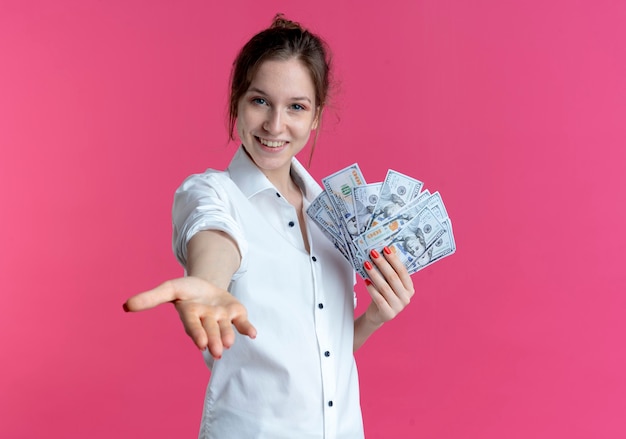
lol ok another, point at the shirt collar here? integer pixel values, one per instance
(250, 180)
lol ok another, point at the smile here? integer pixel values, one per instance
(270, 143)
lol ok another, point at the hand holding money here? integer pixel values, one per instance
(397, 213)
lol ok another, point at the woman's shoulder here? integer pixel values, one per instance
(211, 178)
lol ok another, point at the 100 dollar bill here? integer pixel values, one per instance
(339, 188)
(416, 237)
(320, 212)
(365, 199)
(442, 247)
(396, 192)
(412, 239)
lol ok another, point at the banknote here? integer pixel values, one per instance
(396, 192)
(423, 225)
(324, 216)
(408, 212)
(357, 258)
(339, 245)
(321, 213)
(442, 247)
(339, 187)
(365, 199)
(354, 254)
(425, 199)
(328, 205)
(435, 203)
(358, 217)
(413, 240)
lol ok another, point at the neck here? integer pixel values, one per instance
(284, 184)
(282, 180)
(288, 188)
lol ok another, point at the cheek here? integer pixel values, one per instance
(305, 131)
(305, 136)
(243, 124)
(306, 127)
(239, 126)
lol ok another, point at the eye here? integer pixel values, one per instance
(259, 101)
(297, 107)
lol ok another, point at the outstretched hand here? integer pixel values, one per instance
(208, 313)
(391, 287)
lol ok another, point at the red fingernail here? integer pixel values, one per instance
(387, 250)
(374, 254)
(368, 282)
(367, 265)
(125, 307)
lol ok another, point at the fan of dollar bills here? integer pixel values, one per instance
(398, 213)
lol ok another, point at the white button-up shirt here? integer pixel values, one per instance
(298, 378)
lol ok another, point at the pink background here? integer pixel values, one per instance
(514, 111)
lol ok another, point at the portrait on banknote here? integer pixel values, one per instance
(410, 244)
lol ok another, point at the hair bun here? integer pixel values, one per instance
(280, 22)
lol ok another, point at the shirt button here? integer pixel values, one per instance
(314, 258)
(320, 305)
(327, 354)
(291, 224)
(277, 194)
(330, 403)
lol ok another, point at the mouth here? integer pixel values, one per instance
(271, 143)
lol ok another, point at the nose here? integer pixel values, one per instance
(274, 122)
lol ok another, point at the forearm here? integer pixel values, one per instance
(208, 311)
(363, 329)
(213, 256)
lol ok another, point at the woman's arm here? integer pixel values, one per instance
(363, 328)
(208, 311)
(213, 256)
(391, 289)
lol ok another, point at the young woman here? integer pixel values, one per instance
(252, 255)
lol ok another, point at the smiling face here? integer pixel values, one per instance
(276, 115)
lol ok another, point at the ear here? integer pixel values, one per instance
(318, 117)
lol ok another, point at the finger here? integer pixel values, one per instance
(377, 298)
(166, 292)
(399, 267)
(376, 286)
(214, 336)
(385, 279)
(244, 326)
(395, 274)
(194, 329)
(384, 272)
(227, 333)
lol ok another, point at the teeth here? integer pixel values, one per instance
(271, 144)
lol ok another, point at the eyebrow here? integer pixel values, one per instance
(296, 98)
